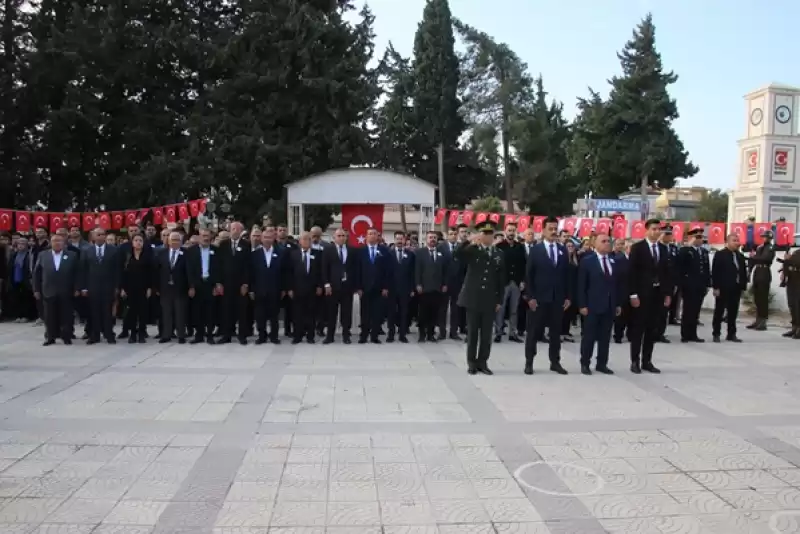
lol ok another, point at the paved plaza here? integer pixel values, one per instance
(396, 439)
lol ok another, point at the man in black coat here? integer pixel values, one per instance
(456, 271)
(204, 274)
(621, 259)
(55, 283)
(374, 276)
(172, 289)
(100, 272)
(430, 272)
(304, 285)
(235, 260)
(728, 280)
(694, 278)
(650, 291)
(401, 289)
(339, 277)
(269, 269)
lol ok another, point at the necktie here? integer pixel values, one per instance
(341, 255)
(433, 255)
(552, 254)
(399, 255)
(605, 267)
(172, 259)
(452, 248)
(100, 253)
(655, 252)
(233, 246)
(371, 255)
(305, 260)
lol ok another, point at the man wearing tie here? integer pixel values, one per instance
(430, 268)
(522, 309)
(304, 286)
(453, 280)
(374, 275)
(339, 275)
(100, 271)
(694, 277)
(598, 298)
(401, 289)
(728, 280)
(56, 283)
(204, 277)
(234, 261)
(268, 272)
(621, 252)
(173, 289)
(650, 291)
(548, 292)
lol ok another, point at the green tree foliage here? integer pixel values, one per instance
(489, 204)
(713, 207)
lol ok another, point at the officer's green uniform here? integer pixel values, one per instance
(762, 279)
(791, 271)
(480, 295)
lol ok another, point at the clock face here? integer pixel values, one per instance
(783, 114)
(756, 116)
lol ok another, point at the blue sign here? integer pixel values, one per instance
(613, 204)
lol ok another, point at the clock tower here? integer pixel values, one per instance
(768, 182)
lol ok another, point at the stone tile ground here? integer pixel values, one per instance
(396, 439)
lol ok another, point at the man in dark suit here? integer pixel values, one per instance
(268, 271)
(453, 280)
(100, 273)
(481, 294)
(234, 260)
(668, 314)
(304, 285)
(285, 241)
(374, 276)
(55, 283)
(204, 275)
(598, 297)
(548, 292)
(528, 242)
(650, 291)
(728, 280)
(621, 252)
(694, 277)
(430, 271)
(173, 288)
(339, 277)
(401, 289)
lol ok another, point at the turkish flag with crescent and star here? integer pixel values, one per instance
(89, 222)
(603, 226)
(758, 229)
(620, 228)
(23, 221)
(716, 233)
(358, 218)
(57, 220)
(638, 230)
(784, 233)
(5, 220)
(40, 221)
(73, 220)
(103, 220)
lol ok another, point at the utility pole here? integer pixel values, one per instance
(442, 201)
(645, 202)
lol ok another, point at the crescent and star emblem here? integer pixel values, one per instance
(357, 219)
(752, 159)
(780, 158)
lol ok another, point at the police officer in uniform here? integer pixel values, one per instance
(761, 263)
(791, 279)
(481, 294)
(672, 261)
(694, 278)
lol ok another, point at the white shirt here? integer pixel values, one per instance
(267, 256)
(101, 250)
(650, 245)
(57, 259)
(234, 244)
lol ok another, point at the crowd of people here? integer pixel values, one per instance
(217, 287)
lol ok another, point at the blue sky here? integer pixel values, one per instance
(720, 49)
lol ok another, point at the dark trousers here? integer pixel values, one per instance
(303, 314)
(793, 300)
(320, 314)
(135, 320)
(567, 318)
(372, 312)
(480, 331)
(429, 302)
(202, 305)
(726, 304)
(339, 306)
(249, 316)
(173, 315)
(522, 316)
(692, 303)
(675, 310)
(266, 311)
(58, 317)
(233, 312)
(456, 316)
(286, 304)
(102, 316)
(621, 321)
(762, 279)
(547, 315)
(645, 325)
(20, 302)
(596, 331)
(398, 313)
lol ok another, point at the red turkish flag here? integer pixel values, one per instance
(695, 225)
(23, 221)
(638, 230)
(585, 229)
(677, 232)
(604, 226)
(57, 220)
(358, 218)
(89, 222)
(117, 220)
(784, 233)
(481, 217)
(467, 216)
(40, 221)
(510, 218)
(170, 214)
(523, 222)
(439, 217)
(739, 229)
(758, 229)
(103, 220)
(452, 219)
(620, 228)
(203, 202)
(716, 233)
(183, 212)
(494, 218)
(131, 216)
(569, 225)
(73, 220)
(538, 224)
(158, 216)
(194, 208)
(5, 220)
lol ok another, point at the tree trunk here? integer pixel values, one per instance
(506, 174)
(403, 223)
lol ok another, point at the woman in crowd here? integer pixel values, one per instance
(136, 285)
(570, 313)
(21, 305)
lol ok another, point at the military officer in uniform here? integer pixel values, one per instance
(761, 263)
(791, 279)
(481, 294)
(694, 279)
(668, 313)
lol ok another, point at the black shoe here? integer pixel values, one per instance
(433, 339)
(296, 341)
(636, 368)
(390, 338)
(85, 336)
(662, 339)
(211, 341)
(421, 339)
(790, 333)
(275, 340)
(347, 341)
(585, 370)
(122, 335)
(618, 340)
(311, 340)
(132, 339)
(441, 337)
(375, 341)
(164, 340)
(485, 370)
(402, 339)
(528, 369)
(181, 341)
(650, 368)
(515, 339)
(751, 326)
(111, 341)
(261, 340)
(472, 371)
(362, 341)
(49, 342)
(67, 341)
(327, 341)
(605, 370)
(557, 368)
(455, 337)
(733, 339)
(498, 339)
(716, 339)
(224, 340)
(92, 341)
